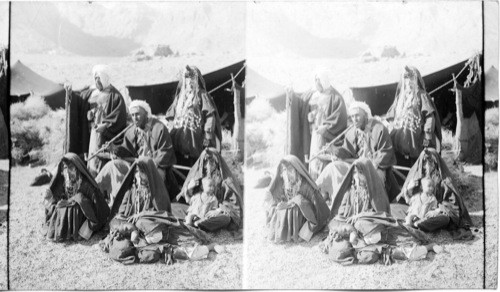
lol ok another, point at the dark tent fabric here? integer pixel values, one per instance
(161, 96)
(23, 81)
(257, 84)
(381, 97)
(4, 135)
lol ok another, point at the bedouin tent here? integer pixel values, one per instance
(491, 87)
(24, 81)
(161, 96)
(4, 136)
(258, 85)
(380, 97)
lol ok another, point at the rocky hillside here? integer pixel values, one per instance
(118, 29)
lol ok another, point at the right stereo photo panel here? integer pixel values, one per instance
(371, 145)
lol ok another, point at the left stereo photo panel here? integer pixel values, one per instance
(4, 138)
(126, 125)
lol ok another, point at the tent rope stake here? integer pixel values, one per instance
(459, 73)
(230, 80)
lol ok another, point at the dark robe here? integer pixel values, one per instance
(188, 141)
(420, 121)
(298, 141)
(77, 125)
(375, 144)
(159, 141)
(286, 224)
(344, 203)
(124, 197)
(450, 201)
(115, 113)
(299, 138)
(64, 216)
(229, 193)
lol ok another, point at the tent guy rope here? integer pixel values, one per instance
(223, 84)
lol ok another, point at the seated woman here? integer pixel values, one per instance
(452, 212)
(142, 189)
(144, 229)
(229, 215)
(74, 206)
(362, 190)
(204, 207)
(295, 205)
(423, 205)
(362, 229)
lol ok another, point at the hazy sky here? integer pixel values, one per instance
(414, 28)
(4, 23)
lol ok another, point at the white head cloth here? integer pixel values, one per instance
(103, 72)
(324, 78)
(360, 105)
(142, 104)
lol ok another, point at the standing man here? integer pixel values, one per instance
(107, 117)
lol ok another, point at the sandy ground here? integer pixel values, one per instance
(491, 220)
(302, 266)
(4, 180)
(38, 264)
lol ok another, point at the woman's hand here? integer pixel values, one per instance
(322, 129)
(65, 203)
(213, 213)
(282, 205)
(101, 127)
(296, 200)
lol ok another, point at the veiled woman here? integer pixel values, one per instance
(295, 207)
(414, 119)
(196, 122)
(362, 229)
(362, 190)
(227, 190)
(141, 190)
(74, 206)
(453, 212)
(144, 229)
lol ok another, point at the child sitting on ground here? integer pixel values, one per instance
(202, 203)
(422, 205)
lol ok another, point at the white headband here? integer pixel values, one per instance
(360, 105)
(142, 104)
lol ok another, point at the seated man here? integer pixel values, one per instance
(367, 138)
(295, 207)
(452, 213)
(146, 137)
(227, 191)
(74, 206)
